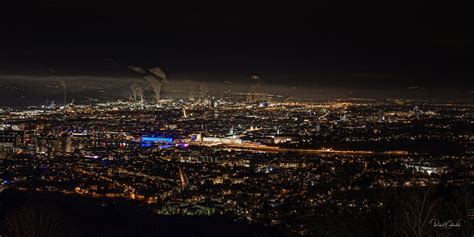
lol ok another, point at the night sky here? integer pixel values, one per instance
(335, 44)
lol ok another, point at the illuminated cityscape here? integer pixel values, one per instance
(265, 164)
(274, 119)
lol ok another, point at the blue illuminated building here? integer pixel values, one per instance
(157, 139)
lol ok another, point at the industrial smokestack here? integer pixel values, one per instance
(136, 92)
(154, 77)
(155, 80)
(140, 93)
(254, 94)
(156, 86)
(203, 89)
(133, 94)
(191, 90)
(61, 82)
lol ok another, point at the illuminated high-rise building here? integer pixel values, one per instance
(183, 178)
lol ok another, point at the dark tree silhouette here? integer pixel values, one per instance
(35, 220)
(416, 211)
(463, 202)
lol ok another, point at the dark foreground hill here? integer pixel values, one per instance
(48, 214)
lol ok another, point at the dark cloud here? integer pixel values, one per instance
(336, 44)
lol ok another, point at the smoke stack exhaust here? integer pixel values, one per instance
(154, 77)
